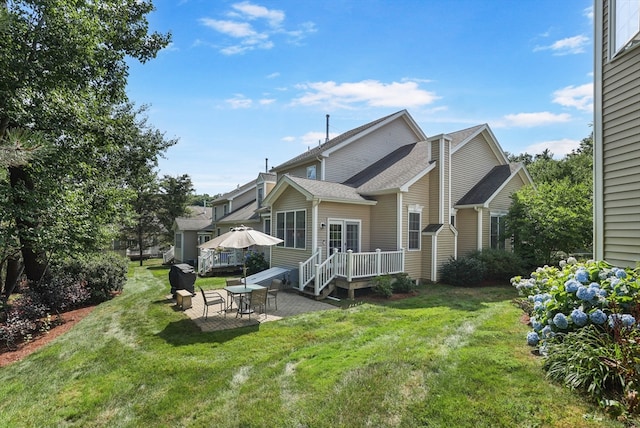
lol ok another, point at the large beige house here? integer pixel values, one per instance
(617, 131)
(380, 198)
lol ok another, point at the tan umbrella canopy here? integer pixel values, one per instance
(241, 237)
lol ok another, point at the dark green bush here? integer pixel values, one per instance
(255, 263)
(499, 265)
(403, 284)
(463, 271)
(104, 273)
(382, 285)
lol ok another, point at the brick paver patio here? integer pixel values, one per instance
(289, 303)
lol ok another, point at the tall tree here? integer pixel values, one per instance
(64, 74)
(176, 194)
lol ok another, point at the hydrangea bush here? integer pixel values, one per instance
(573, 295)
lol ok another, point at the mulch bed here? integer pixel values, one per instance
(70, 319)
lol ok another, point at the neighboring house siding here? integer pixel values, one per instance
(353, 158)
(467, 226)
(486, 228)
(470, 164)
(384, 232)
(289, 257)
(620, 157)
(427, 254)
(189, 246)
(301, 170)
(243, 199)
(446, 248)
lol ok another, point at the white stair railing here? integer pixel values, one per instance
(169, 255)
(307, 269)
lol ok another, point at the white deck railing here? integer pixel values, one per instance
(351, 266)
(169, 255)
(211, 259)
(307, 269)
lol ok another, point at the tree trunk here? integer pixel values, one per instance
(35, 264)
(11, 279)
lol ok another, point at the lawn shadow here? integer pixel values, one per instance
(186, 332)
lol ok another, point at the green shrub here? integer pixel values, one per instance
(104, 273)
(382, 285)
(255, 263)
(463, 271)
(403, 284)
(499, 265)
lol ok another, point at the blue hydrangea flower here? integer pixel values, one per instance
(585, 293)
(579, 318)
(561, 321)
(582, 275)
(533, 338)
(627, 320)
(571, 286)
(619, 273)
(546, 332)
(598, 317)
(535, 324)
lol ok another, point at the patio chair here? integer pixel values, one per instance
(230, 298)
(272, 294)
(257, 300)
(212, 298)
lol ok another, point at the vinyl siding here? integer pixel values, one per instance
(243, 199)
(446, 243)
(467, 225)
(427, 253)
(502, 200)
(290, 257)
(336, 211)
(418, 195)
(301, 170)
(384, 230)
(356, 156)
(621, 154)
(469, 165)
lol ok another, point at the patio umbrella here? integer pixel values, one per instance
(241, 237)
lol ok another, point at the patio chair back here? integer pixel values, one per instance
(212, 298)
(258, 300)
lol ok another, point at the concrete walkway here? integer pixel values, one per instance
(289, 303)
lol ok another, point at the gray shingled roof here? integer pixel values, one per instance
(432, 228)
(187, 223)
(394, 170)
(485, 188)
(459, 136)
(313, 153)
(327, 190)
(244, 213)
(237, 191)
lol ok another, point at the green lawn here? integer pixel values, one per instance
(449, 357)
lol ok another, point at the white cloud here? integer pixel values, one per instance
(569, 45)
(239, 101)
(273, 75)
(267, 101)
(529, 120)
(580, 97)
(253, 27)
(368, 92)
(314, 138)
(289, 139)
(559, 148)
(253, 11)
(588, 12)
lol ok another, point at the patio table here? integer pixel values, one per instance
(241, 290)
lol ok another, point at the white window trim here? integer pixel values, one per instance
(631, 42)
(275, 227)
(498, 214)
(414, 209)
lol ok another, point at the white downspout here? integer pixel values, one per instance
(399, 220)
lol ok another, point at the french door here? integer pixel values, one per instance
(344, 235)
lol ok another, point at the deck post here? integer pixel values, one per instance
(349, 265)
(378, 262)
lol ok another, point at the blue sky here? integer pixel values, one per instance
(247, 80)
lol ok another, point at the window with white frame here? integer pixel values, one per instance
(497, 231)
(624, 24)
(311, 172)
(415, 220)
(267, 225)
(291, 227)
(260, 196)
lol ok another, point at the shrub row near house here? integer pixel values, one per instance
(478, 266)
(386, 285)
(70, 285)
(583, 319)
